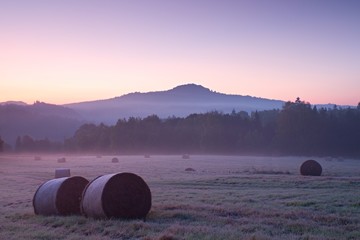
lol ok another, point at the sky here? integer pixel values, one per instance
(72, 51)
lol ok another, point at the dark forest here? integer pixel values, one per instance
(296, 129)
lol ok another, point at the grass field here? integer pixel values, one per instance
(226, 197)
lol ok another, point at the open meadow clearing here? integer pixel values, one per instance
(203, 197)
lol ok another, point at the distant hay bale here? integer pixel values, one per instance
(186, 156)
(190, 170)
(146, 156)
(37, 158)
(328, 159)
(114, 160)
(62, 172)
(311, 168)
(121, 195)
(61, 160)
(60, 196)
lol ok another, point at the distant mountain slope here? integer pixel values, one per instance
(179, 101)
(42, 120)
(39, 120)
(13, 102)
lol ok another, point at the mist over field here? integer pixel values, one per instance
(212, 174)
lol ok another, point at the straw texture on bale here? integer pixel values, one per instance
(121, 195)
(62, 172)
(311, 168)
(115, 160)
(60, 196)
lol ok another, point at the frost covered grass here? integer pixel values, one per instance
(226, 197)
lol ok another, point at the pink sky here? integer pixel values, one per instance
(71, 51)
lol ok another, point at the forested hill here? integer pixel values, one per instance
(39, 120)
(179, 101)
(189, 106)
(296, 129)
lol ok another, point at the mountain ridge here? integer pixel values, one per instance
(179, 101)
(20, 103)
(43, 120)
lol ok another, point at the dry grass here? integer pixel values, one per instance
(226, 198)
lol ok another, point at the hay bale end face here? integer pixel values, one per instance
(114, 160)
(311, 168)
(62, 172)
(60, 196)
(121, 195)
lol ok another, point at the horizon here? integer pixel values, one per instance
(68, 52)
(159, 91)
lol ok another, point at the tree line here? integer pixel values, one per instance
(297, 129)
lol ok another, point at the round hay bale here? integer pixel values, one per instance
(190, 170)
(37, 158)
(120, 195)
(310, 168)
(60, 196)
(62, 172)
(146, 156)
(114, 160)
(186, 156)
(61, 160)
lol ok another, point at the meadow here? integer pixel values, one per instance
(220, 197)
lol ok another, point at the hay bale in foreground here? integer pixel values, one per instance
(62, 172)
(311, 168)
(121, 195)
(114, 160)
(60, 196)
(61, 160)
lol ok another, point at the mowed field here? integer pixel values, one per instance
(226, 197)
